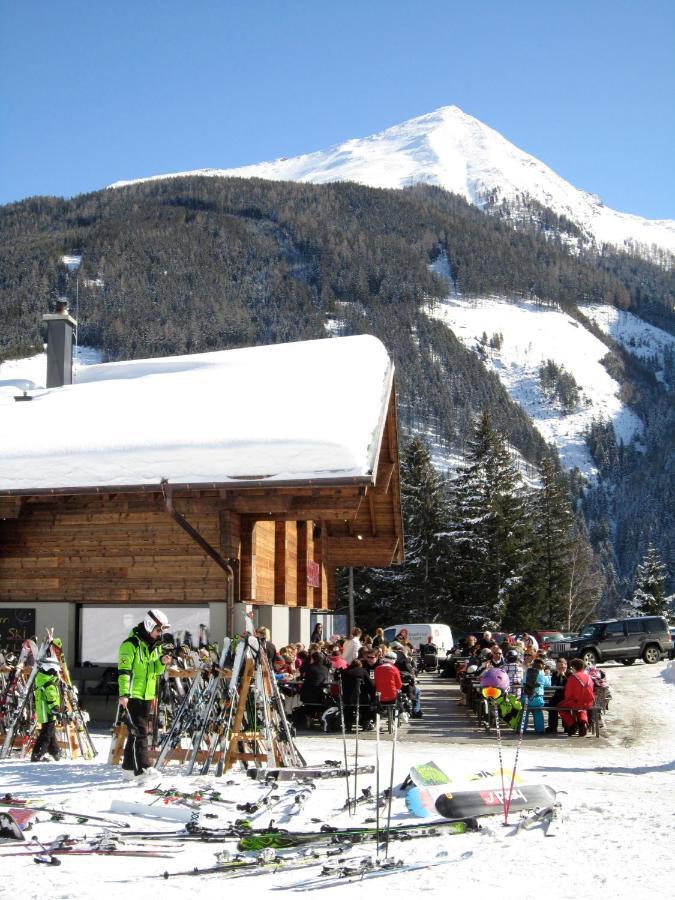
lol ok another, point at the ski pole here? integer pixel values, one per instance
(491, 695)
(46, 856)
(344, 741)
(521, 731)
(356, 750)
(391, 781)
(501, 761)
(377, 775)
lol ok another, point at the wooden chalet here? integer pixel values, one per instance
(255, 512)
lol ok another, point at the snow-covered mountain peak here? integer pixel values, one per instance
(457, 152)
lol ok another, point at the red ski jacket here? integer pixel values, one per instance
(387, 681)
(578, 691)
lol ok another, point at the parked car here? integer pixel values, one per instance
(546, 638)
(647, 638)
(671, 653)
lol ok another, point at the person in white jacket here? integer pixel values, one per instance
(530, 642)
(351, 648)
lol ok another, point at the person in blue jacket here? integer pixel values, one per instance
(535, 681)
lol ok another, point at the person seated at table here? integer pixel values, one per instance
(528, 658)
(289, 656)
(379, 637)
(388, 681)
(336, 660)
(369, 659)
(467, 678)
(578, 697)
(513, 669)
(496, 658)
(316, 678)
(486, 640)
(284, 676)
(302, 660)
(357, 686)
(468, 645)
(558, 681)
(484, 661)
(533, 693)
(530, 642)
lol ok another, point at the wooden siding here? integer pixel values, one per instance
(95, 549)
(126, 549)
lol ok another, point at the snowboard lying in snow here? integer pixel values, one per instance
(429, 780)
(491, 802)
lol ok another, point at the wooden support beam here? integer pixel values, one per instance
(280, 562)
(373, 519)
(301, 569)
(298, 508)
(247, 563)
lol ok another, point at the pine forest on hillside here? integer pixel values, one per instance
(484, 549)
(196, 264)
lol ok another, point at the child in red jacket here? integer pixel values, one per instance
(578, 694)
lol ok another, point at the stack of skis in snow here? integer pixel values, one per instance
(19, 727)
(232, 712)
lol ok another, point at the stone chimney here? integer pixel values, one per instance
(60, 329)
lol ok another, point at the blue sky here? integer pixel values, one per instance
(92, 92)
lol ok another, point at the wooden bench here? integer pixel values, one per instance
(485, 712)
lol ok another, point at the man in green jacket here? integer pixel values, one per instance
(140, 663)
(47, 709)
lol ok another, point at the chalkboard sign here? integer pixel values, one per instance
(15, 626)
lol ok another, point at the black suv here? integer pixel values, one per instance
(625, 640)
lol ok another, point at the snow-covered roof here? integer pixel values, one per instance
(305, 411)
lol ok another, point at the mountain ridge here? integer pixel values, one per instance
(453, 150)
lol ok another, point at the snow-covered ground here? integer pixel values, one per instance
(616, 840)
(638, 337)
(530, 335)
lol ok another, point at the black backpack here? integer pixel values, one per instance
(530, 682)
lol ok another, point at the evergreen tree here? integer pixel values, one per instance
(648, 596)
(423, 578)
(553, 535)
(489, 534)
(418, 589)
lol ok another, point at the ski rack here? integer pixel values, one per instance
(237, 716)
(274, 747)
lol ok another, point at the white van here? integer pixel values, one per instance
(419, 633)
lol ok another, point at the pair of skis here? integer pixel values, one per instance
(58, 814)
(265, 862)
(290, 773)
(360, 870)
(278, 839)
(63, 848)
